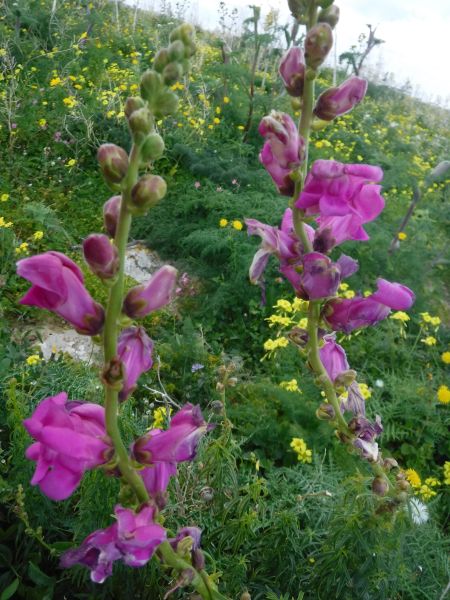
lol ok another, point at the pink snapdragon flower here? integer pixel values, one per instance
(156, 479)
(133, 539)
(58, 285)
(283, 151)
(101, 256)
(159, 291)
(134, 349)
(366, 433)
(292, 71)
(337, 101)
(320, 277)
(347, 315)
(333, 357)
(178, 443)
(70, 439)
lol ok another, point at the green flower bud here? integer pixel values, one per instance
(380, 486)
(133, 103)
(151, 85)
(113, 162)
(325, 3)
(165, 104)
(140, 121)
(176, 51)
(187, 33)
(190, 49)
(172, 72)
(319, 40)
(325, 412)
(329, 15)
(186, 65)
(147, 192)
(161, 60)
(152, 148)
(297, 8)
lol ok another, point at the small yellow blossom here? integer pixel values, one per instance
(344, 287)
(70, 101)
(55, 81)
(23, 248)
(240, 127)
(34, 359)
(349, 294)
(426, 492)
(447, 472)
(38, 235)
(71, 163)
(4, 197)
(290, 386)
(443, 394)
(218, 110)
(402, 236)
(299, 304)
(226, 100)
(283, 305)
(160, 417)
(303, 323)
(303, 453)
(223, 222)
(2, 52)
(413, 477)
(365, 390)
(400, 316)
(279, 320)
(216, 121)
(432, 482)
(270, 345)
(435, 321)
(429, 340)
(237, 225)
(42, 122)
(446, 357)
(5, 224)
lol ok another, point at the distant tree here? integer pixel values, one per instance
(356, 56)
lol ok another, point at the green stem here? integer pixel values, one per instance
(111, 331)
(173, 560)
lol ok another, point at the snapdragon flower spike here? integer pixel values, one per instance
(292, 71)
(337, 101)
(333, 357)
(347, 315)
(58, 286)
(366, 433)
(70, 439)
(319, 278)
(101, 255)
(134, 349)
(283, 151)
(281, 242)
(159, 291)
(133, 539)
(178, 443)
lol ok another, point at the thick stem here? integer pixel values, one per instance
(111, 332)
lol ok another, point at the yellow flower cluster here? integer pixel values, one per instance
(290, 386)
(235, 224)
(447, 472)
(272, 345)
(33, 359)
(299, 446)
(426, 490)
(160, 417)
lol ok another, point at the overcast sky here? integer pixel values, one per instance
(416, 34)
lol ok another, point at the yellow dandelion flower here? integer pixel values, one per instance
(402, 236)
(42, 122)
(216, 121)
(223, 222)
(226, 100)
(33, 359)
(429, 341)
(445, 356)
(4, 197)
(443, 394)
(237, 225)
(413, 477)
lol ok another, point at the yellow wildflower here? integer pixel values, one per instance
(34, 359)
(349, 294)
(42, 122)
(70, 101)
(290, 386)
(303, 453)
(160, 417)
(237, 225)
(402, 236)
(426, 492)
(400, 316)
(443, 394)
(446, 357)
(283, 305)
(279, 320)
(432, 482)
(429, 340)
(240, 127)
(223, 222)
(55, 81)
(38, 235)
(303, 323)
(5, 224)
(299, 304)
(23, 248)
(344, 287)
(413, 477)
(365, 390)
(270, 345)
(4, 197)
(226, 100)
(447, 472)
(216, 121)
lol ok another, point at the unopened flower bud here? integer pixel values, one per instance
(345, 378)
(232, 381)
(390, 463)
(325, 412)
(147, 192)
(380, 486)
(111, 210)
(198, 559)
(329, 15)
(217, 407)
(292, 71)
(113, 162)
(140, 122)
(403, 485)
(133, 103)
(113, 374)
(337, 101)
(172, 72)
(161, 60)
(153, 147)
(176, 51)
(101, 255)
(219, 386)
(297, 8)
(185, 33)
(165, 104)
(319, 40)
(245, 596)
(298, 336)
(151, 85)
(207, 494)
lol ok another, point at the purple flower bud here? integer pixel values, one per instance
(111, 211)
(333, 358)
(283, 151)
(134, 349)
(101, 255)
(69, 441)
(113, 162)
(321, 277)
(147, 192)
(159, 291)
(366, 434)
(133, 103)
(58, 286)
(380, 486)
(179, 443)
(337, 101)
(318, 42)
(292, 71)
(140, 122)
(132, 539)
(325, 412)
